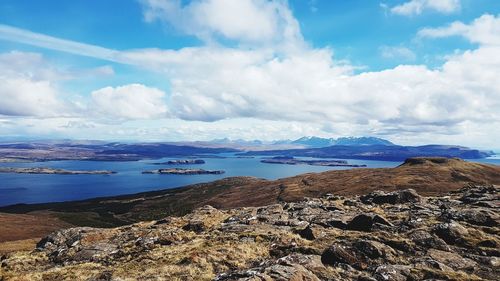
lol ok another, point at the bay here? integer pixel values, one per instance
(37, 188)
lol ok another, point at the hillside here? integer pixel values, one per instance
(376, 237)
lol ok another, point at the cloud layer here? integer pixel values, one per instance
(269, 74)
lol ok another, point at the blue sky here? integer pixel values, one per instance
(412, 71)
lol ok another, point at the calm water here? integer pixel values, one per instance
(25, 188)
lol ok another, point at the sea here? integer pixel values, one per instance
(39, 188)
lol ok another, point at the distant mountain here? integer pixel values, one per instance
(349, 141)
(314, 141)
(362, 141)
(237, 141)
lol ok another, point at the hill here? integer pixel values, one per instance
(379, 236)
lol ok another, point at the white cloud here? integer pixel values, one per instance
(26, 97)
(216, 83)
(397, 52)
(26, 88)
(134, 101)
(416, 7)
(245, 21)
(484, 30)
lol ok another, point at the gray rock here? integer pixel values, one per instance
(365, 222)
(396, 197)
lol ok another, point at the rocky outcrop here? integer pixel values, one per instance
(380, 236)
(396, 197)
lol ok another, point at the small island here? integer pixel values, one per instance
(45, 170)
(14, 160)
(182, 162)
(179, 171)
(294, 161)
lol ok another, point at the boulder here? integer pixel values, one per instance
(426, 240)
(365, 222)
(392, 273)
(452, 260)
(477, 217)
(373, 249)
(337, 254)
(396, 197)
(311, 232)
(452, 233)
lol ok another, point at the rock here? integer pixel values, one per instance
(311, 232)
(478, 193)
(451, 233)
(396, 197)
(452, 260)
(427, 240)
(287, 268)
(373, 249)
(293, 273)
(60, 241)
(365, 222)
(336, 223)
(195, 226)
(392, 273)
(477, 217)
(337, 254)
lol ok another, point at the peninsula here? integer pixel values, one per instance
(294, 161)
(45, 170)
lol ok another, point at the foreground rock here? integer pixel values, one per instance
(380, 236)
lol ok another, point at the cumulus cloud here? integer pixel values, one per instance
(397, 52)
(244, 21)
(134, 101)
(26, 87)
(416, 7)
(216, 83)
(484, 30)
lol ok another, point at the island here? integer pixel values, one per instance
(294, 161)
(45, 170)
(179, 171)
(14, 160)
(181, 162)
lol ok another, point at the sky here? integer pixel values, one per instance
(410, 71)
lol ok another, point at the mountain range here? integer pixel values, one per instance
(348, 141)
